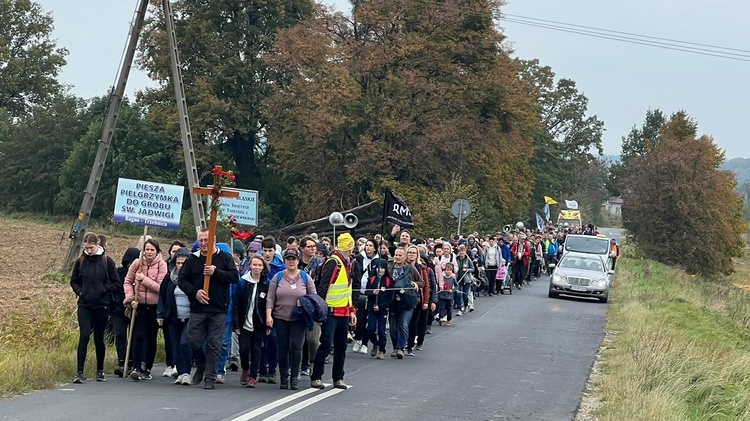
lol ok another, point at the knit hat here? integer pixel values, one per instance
(322, 248)
(238, 247)
(254, 246)
(345, 242)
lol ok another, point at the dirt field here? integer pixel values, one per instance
(29, 256)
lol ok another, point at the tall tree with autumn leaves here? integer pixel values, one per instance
(680, 208)
(403, 94)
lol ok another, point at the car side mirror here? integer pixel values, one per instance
(610, 272)
(552, 265)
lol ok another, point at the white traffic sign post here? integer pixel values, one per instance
(460, 209)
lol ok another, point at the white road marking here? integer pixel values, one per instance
(304, 404)
(67, 390)
(275, 404)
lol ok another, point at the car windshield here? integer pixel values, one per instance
(581, 263)
(587, 244)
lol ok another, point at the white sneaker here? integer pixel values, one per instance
(363, 349)
(169, 372)
(179, 379)
(357, 346)
(187, 379)
(459, 313)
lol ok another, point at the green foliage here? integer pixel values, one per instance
(675, 192)
(136, 152)
(562, 159)
(45, 135)
(405, 94)
(223, 45)
(29, 59)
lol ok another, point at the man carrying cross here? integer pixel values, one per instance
(207, 313)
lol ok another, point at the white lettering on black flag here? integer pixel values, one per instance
(396, 211)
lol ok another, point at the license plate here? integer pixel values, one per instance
(577, 288)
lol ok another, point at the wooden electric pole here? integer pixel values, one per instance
(89, 197)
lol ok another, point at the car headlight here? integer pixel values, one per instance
(557, 279)
(601, 282)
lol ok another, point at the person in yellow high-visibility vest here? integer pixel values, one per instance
(339, 290)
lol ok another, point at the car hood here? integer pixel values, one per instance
(579, 273)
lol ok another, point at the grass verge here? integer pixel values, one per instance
(679, 349)
(38, 350)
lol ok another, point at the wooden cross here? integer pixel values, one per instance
(215, 196)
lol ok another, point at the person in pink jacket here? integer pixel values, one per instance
(148, 272)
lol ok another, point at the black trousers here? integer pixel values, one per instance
(519, 272)
(250, 346)
(417, 326)
(144, 337)
(118, 334)
(332, 335)
(91, 319)
(289, 336)
(490, 272)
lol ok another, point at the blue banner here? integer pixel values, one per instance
(148, 203)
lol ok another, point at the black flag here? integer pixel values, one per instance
(396, 211)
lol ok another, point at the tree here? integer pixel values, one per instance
(634, 145)
(562, 110)
(404, 94)
(223, 47)
(679, 206)
(565, 146)
(29, 60)
(45, 135)
(136, 152)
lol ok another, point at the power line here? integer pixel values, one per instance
(630, 40)
(625, 33)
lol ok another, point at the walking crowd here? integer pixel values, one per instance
(278, 313)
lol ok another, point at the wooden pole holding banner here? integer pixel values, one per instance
(142, 267)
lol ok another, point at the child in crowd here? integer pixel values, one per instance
(448, 285)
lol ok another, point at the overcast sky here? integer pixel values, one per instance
(621, 80)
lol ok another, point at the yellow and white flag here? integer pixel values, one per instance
(550, 201)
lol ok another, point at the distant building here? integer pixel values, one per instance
(613, 207)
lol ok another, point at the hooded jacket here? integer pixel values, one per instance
(148, 293)
(384, 298)
(94, 279)
(241, 300)
(117, 308)
(166, 309)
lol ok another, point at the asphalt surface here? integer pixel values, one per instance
(519, 357)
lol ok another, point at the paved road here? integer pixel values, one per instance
(519, 357)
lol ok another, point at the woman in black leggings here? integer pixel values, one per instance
(94, 279)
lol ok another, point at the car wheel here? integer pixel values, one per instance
(551, 294)
(604, 299)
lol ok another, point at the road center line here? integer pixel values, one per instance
(275, 404)
(304, 404)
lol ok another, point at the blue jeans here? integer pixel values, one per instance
(269, 355)
(376, 328)
(465, 288)
(180, 347)
(400, 328)
(226, 346)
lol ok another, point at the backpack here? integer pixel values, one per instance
(409, 298)
(305, 278)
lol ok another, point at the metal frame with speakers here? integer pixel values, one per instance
(337, 219)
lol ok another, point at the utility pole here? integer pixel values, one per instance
(115, 101)
(84, 215)
(199, 213)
